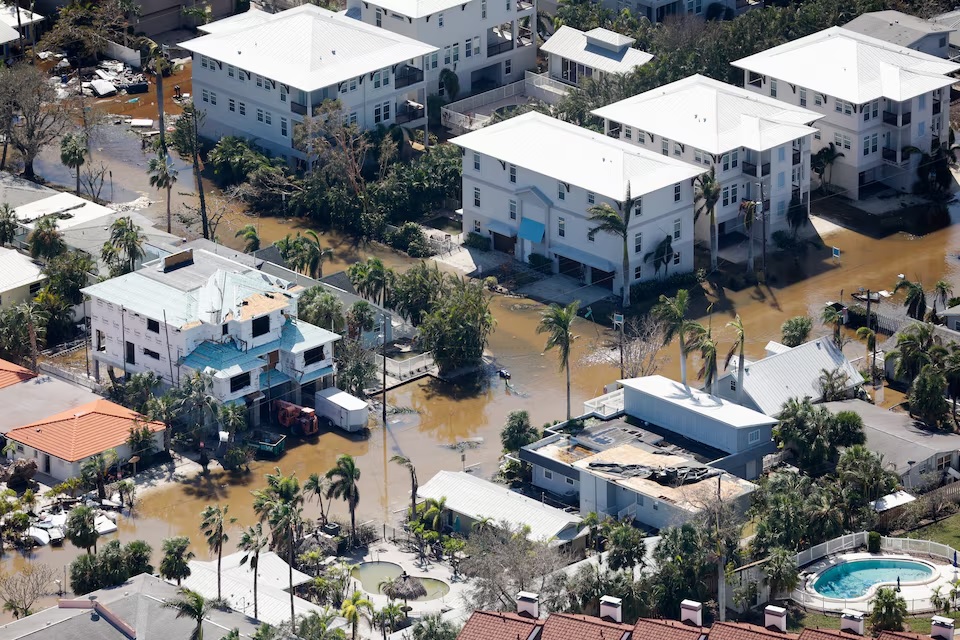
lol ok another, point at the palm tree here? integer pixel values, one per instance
(343, 485)
(888, 610)
(661, 255)
(708, 191)
(557, 322)
(869, 336)
(942, 293)
(822, 164)
(316, 486)
(673, 311)
(748, 211)
(250, 237)
(832, 317)
(281, 506)
(405, 462)
(190, 604)
(915, 300)
(353, 608)
(163, 176)
(434, 627)
(213, 521)
(175, 564)
(73, 153)
(8, 224)
(833, 384)
(35, 319)
(125, 245)
(737, 346)
(46, 241)
(233, 419)
(914, 347)
(433, 511)
(708, 356)
(951, 371)
(252, 542)
(164, 409)
(304, 253)
(317, 625)
(95, 469)
(372, 279)
(81, 529)
(616, 223)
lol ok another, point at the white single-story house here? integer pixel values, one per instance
(21, 278)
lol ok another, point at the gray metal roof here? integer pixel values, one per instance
(476, 498)
(792, 374)
(37, 398)
(17, 192)
(895, 27)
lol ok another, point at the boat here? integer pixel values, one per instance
(104, 525)
(56, 536)
(39, 536)
(54, 531)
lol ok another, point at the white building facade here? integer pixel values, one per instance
(534, 198)
(753, 143)
(256, 75)
(659, 10)
(883, 100)
(487, 43)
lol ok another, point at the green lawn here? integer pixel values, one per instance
(947, 532)
(812, 620)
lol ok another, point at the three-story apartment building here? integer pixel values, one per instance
(256, 75)
(749, 140)
(195, 311)
(487, 43)
(879, 102)
(530, 181)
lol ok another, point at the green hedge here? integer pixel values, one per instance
(476, 241)
(654, 288)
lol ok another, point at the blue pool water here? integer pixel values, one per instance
(853, 579)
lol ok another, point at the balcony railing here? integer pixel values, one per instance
(299, 109)
(890, 155)
(750, 169)
(407, 76)
(501, 47)
(796, 156)
(896, 120)
(408, 113)
(936, 107)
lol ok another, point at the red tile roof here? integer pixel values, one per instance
(495, 625)
(744, 631)
(568, 626)
(647, 629)
(79, 433)
(11, 374)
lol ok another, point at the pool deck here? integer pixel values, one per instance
(916, 595)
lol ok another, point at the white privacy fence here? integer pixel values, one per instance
(461, 116)
(605, 406)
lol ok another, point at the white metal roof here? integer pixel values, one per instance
(712, 115)
(70, 211)
(697, 401)
(17, 270)
(795, 373)
(342, 399)
(891, 500)
(599, 48)
(576, 155)
(307, 47)
(895, 27)
(8, 16)
(477, 498)
(237, 21)
(851, 66)
(417, 8)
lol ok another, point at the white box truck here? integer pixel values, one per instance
(342, 409)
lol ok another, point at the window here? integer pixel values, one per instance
(922, 101)
(476, 45)
(224, 329)
(627, 133)
(261, 326)
(513, 209)
(259, 115)
(468, 47)
(548, 474)
(817, 99)
(561, 227)
(753, 436)
(456, 53)
(781, 208)
(664, 146)
(638, 272)
(232, 104)
(434, 60)
(725, 161)
(866, 145)
(476, 226)
(726, 196)
(641, 137)
(508, 5)
(921, 129)
(213, 97)
(151, 354)
(569, 481)
(476, 196)
(377, 79)
(944, 460)
(676, 258)
(781, 180)
(676, 192)
(591, 197)
(816, 134)
(638, 242)
(205, 95)
(871, 110)
(507, 67)
(677, 229)
(203, 62)
(283, 127)
(773, 88)
(846, 142)
(446, 55)
(874, 144)
(676, 149)
(781, 154)
(131, 355)
(476, 162)
(353, 84)
(513, 173)
(735, 158)
(379, 16)
(268, 117)
(243, 108)
(239, 382)
(230, 70)
(313, 356)
(381, 112)
(733, 384)
(803, 97)
(638, 207)
(561, 194)
(153, 326)
(440, 20)
(483, 9)
(697, 155)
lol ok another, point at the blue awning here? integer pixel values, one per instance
(315, 375)
(583, 257)
(502, 228)
(273, 378)
(531, 230)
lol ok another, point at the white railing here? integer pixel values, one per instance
(403, 369)
(605, 406)
(843, 543)
(461, 116)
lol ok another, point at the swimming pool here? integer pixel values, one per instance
(854, 578)
(372, 575)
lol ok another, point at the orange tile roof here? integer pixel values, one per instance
(81, 432)
(11, 374)
(568, 626)
(496, 625)
(650, 629)
(744, 631)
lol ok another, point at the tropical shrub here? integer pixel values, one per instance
(476, 241)
(873, 542)
(410, 239)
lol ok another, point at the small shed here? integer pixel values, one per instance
(342, 409)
